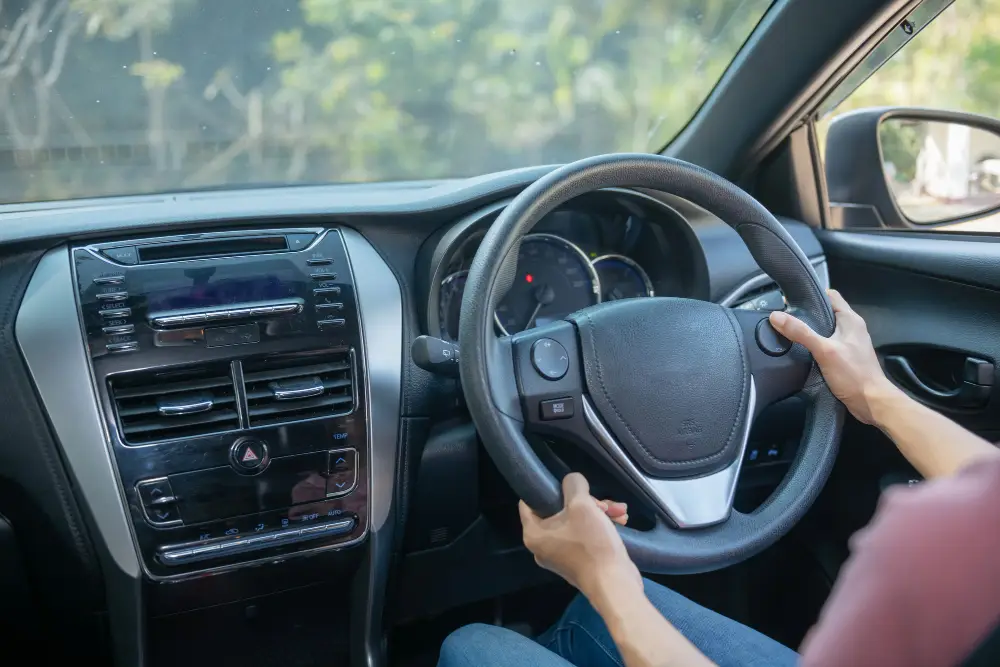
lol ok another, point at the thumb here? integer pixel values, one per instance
(798, 331)
(575, 486)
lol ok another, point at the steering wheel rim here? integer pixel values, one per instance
(495, 381)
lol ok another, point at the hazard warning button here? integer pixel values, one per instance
(249, 455)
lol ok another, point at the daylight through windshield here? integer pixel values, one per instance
(108, 97)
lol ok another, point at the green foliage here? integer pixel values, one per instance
(901, 142)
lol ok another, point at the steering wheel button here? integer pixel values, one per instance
(557, 408)
(549, 358)
(770, 341)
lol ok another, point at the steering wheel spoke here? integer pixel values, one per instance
(779, 368)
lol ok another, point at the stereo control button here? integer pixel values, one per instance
(124, 255)
(119, 329)
(249, 455)
(112, 296)
(116, 279)
(125, 346)
(323, 275)
(326, 307)
(332, 323)
(319, 261)
(113, 313)
(299, 241)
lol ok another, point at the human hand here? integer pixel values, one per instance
(579, 543)
(614, 510)
(847, 358)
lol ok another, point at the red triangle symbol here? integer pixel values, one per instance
(249, 456)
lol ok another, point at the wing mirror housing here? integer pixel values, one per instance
(912, 168)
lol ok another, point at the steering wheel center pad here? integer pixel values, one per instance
(670, 378)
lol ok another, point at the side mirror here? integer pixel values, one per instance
(911, 168)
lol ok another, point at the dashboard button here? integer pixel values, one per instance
(319, 261)
(549, 358)
(112, 313)
(343, 475)
(116, 279)
(323, 275)
(112, 296)
(326, 307)
(119, 329)
(332, 323)
(557, 408)
(249, 455)
(299, 241)
(123, 255)
(126, 346)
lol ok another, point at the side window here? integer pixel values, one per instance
(924, 121)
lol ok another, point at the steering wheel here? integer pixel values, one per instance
(662, 391)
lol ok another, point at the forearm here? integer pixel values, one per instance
(643, 637)
(932, 443)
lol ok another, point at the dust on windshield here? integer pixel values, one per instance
(104, 97)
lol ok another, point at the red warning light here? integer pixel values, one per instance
(528, 277)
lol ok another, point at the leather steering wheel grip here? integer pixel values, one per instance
(488, 375)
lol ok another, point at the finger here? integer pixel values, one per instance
(621, 520)
(614, 509)
(838, 302)
(575, 487)
(797, 331)
(528, 516)
(603, 504)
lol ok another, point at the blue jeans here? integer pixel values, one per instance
(580, 638)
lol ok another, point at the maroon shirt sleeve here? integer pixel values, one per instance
(922, 586)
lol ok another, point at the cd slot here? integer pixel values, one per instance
(214, 247)
(199, 317)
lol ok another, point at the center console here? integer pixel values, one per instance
(230, 371)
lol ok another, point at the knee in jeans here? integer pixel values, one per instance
(458, 643)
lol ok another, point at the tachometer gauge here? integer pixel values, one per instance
(450, 304)
(621, 278)
(554, 278)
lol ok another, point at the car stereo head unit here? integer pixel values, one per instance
(230, 367)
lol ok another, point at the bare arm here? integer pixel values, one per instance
(934, 444)
(581, 545)
(931, 442)
(642, 635)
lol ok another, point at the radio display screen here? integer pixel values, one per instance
(219, 290)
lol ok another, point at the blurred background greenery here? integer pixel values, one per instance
(124, 96)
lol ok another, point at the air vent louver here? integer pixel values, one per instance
(282, 390)
(175, 404)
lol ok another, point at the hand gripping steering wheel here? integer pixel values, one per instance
(662, 391)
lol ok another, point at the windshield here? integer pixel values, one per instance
(103, 97)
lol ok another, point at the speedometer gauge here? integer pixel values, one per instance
(621, 278)
(554, 278)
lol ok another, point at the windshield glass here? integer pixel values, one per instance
(103, 97)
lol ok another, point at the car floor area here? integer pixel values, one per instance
(778, 593)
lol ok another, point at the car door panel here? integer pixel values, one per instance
(933, 301)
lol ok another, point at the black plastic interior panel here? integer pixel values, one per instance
(36, 495)
(913, 311)
(966, 258)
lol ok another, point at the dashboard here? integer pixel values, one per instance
(220, 405)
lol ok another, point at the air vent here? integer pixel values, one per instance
(175, 404)
(281, 390)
